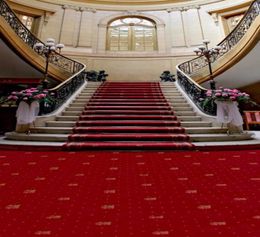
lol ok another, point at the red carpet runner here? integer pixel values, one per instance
(128, 116)
(125, 194)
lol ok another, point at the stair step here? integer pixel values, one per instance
(66, 118)
(129, 145)
(74, 108)
(80, 100)
(182, 108)
(206, 130)
(83, 97)
(178, 100)
(189, 118)
(127, 123)
(43, 137)
(127, 129)
(71, 113)
(184, 113)
(66, 130)
(199, 124)
(51, 130)
(179, 104)
(129, 100)
(219, 137)
(128, 104)
(132, 112)
(178, 113)
(69, 124)
(78, 104)
(122, 107)
(127, 117)
(128, 137)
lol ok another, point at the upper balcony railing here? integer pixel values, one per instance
(60, 93)
(184, 70)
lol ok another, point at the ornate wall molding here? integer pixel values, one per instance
(181, 9)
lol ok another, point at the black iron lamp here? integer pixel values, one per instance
(209, 54)
(47, 50)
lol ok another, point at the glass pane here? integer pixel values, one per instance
(116, 22)
(132, 33)
(27, 21)
(131, 20)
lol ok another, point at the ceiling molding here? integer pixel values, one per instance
(117, 5)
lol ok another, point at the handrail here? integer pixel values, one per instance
(61, 92)
(228, 43)
(186, 69)
(30, 39)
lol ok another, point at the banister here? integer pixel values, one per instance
(60, 93)
(186, 69)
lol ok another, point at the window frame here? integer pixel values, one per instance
(131, 34)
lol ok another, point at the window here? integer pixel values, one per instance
(132, 34)
(27, 21)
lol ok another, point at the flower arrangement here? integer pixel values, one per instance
(29, 95)
(224, 94)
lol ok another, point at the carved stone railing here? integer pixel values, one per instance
(186, 69)
(63, 91)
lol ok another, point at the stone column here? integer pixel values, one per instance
(70, 26)
(86, 27)
(101, 40)
(161, 38)
(192, 27)
(178, 36)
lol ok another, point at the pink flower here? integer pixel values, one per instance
(225, 95)
(12, 97)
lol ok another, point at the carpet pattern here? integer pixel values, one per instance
(128, 116)
(123, 194)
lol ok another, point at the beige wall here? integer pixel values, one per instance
(180, 28)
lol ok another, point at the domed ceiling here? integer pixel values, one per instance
(131, 2)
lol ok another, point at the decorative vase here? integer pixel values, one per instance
(26, 114)
(228, 112)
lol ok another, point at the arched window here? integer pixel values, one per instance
(132, 34)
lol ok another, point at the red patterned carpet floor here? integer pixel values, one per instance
(121, 194)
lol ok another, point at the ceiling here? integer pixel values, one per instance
(131, 2)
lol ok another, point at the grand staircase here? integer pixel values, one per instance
(117, 115)
(126, 116)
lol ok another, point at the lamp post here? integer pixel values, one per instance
(47, 50)
(204, 50)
